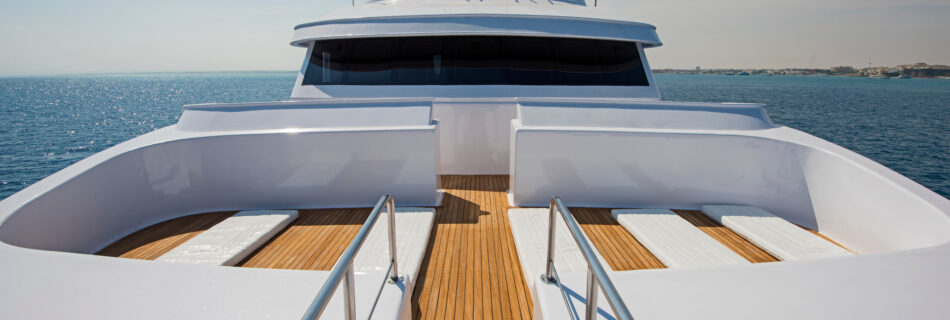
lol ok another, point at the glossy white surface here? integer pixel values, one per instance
(508, 18)
(800, 178)
(307, 154)
(549, 302)
(95, 287)
(626, 113)
(307, 115)
(618, 168)
(473, 135)
(231, 240)
(776, 236)
(170, 173)
(529, 228)
(557, 8)
(673, 240)
(896, 285)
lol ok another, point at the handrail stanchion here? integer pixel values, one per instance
(591, 312)
(549, 270)
(343, 269)
(596, 275)
(391, 207)
(350, 294)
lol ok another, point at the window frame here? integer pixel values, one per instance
(634, 71)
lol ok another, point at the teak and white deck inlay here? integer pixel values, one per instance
(675, 241)
(470, 267)
(529, 226)
(231, 240)
(313, 242)
(156, 240)
(779, 237)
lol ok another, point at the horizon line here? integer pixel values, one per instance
(88, 74)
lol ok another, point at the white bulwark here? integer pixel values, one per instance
(403, 97)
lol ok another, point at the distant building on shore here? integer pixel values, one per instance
(917, 70)
(843, 70)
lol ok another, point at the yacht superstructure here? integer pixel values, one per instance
(499, 159)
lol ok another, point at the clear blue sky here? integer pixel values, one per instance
(106, 36)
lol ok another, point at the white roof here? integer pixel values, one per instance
(489, 17)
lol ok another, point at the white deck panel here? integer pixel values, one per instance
(775, 235)
(231, 240)
(413, 226)
(529, 227)
(675, 241)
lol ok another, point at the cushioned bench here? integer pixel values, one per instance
(413, 226)
(231, 240)
(529, 227)
(776, 236)
(673, 240)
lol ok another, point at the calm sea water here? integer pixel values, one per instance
(48, 123)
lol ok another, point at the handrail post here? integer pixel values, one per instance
(349, 294)
(591, 311)
(549, 270)
(391, 206)
(597, 277)
(342, 270)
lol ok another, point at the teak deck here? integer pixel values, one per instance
(470, 269)
(312, 242)
(154, 241)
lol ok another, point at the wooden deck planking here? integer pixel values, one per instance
(623, 252)
(156, 240)
(725, 236)
(312, 242)
(618, 247)
(318, 237)
(471, 269)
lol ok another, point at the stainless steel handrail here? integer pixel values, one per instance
(343, 269)
(595, 271)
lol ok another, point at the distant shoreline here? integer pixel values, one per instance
(918, 70)
(790, 75)
(142, 73)
(923, 73)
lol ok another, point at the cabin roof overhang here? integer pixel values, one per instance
(476, 24)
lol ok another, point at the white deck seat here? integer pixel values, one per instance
(675, 241)
(776, 236)
(231, 240)
(413, 226)
(529, 227)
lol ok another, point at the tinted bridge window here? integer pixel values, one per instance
(475, 60)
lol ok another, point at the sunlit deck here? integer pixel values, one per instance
(470, 267)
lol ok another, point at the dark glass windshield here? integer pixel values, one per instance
(474, 60)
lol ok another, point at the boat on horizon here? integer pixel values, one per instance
(454, 159)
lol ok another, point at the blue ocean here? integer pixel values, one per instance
(48, 123)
